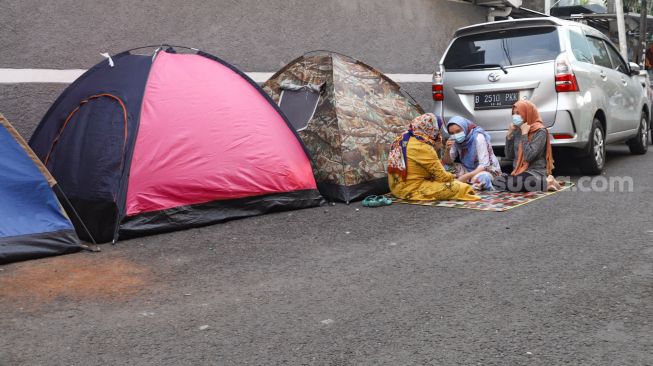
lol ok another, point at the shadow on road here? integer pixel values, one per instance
(566, 165)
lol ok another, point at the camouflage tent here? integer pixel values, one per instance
(347, 113)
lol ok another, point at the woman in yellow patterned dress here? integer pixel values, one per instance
(414, 169)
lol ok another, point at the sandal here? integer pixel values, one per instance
(384, 201)
(553, 185)
(376, 201)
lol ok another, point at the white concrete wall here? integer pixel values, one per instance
(395, 36)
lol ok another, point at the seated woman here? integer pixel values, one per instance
(470, 146)
(529, 145)
(414, 169)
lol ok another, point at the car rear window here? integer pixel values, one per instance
(505, 48)
(579, 46)
(600, 53)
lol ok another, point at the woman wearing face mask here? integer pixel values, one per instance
(470, 145)
(529, 145)
(414, 169)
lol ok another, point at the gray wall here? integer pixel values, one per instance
(395, 36)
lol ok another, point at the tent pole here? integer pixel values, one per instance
(62, 194)
(642, 33)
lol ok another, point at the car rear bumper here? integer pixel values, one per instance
(563, 133)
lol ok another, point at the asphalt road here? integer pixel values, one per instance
(567, 279)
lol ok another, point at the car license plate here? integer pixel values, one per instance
(496, 100)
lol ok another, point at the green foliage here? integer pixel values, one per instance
(635, 6)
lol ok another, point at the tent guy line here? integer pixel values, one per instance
(26, 76)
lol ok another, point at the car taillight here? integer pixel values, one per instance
(438, 86)
(438, 92)
(562, 136)
(566, 83)
(564, 75)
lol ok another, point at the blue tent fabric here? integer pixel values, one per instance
(32, 222)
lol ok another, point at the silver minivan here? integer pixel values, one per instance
(587, 94)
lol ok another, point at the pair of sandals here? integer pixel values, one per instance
(376, 201)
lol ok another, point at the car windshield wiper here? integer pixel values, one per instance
(480, 66)
(504, 46)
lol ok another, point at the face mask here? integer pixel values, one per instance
(459, 137)
(517, 120)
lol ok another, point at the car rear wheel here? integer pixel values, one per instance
(593, 163)
(639, 144)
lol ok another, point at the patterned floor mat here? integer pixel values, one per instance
(490, 201)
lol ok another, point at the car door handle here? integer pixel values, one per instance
(603, 76)
(623, 81)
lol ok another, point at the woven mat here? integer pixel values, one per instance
(490, 201)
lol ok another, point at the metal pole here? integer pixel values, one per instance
(547, 7)
(621, 28)
(642, 33)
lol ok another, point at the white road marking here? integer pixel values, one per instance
(411, 78)
(260, 77)
(19, 76)
(25, 76)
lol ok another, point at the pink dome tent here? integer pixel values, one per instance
(144, 144)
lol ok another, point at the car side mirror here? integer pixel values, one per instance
(634, 68)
